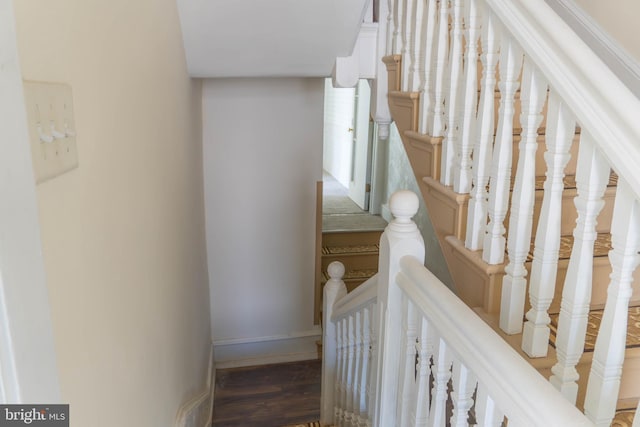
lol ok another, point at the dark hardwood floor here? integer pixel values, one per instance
(269, 396)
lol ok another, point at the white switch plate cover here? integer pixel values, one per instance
(52, 129)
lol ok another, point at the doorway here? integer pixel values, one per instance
(348, 232)
(348, 132)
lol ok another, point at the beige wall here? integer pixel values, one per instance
(263, 157)
(619, 18)
(123, 235)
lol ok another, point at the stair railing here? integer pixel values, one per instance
(533, 62)
(403, 350)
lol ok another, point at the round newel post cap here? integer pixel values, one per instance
(336, 270)
(404, 205)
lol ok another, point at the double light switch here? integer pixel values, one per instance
(52, 130)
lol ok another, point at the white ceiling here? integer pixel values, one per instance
(274, 38)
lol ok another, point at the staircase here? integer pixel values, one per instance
(524, 145)
(348, 234)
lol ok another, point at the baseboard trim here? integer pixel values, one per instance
(196, 412)
(267, 360)
(292, 336)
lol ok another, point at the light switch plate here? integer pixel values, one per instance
(52, 129)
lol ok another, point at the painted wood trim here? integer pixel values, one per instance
(28, 368)
(292, 336)
(196, 411)
(317, 287)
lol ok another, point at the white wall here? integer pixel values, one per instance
(262, 158)
(338, 141)
(619, 18)
(123, 235)
(400, 177)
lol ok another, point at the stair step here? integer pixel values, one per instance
(348, 238)
(593, 324)
(351, 249)
(629, 388)
(624, 417)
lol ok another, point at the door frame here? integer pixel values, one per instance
(28, 368)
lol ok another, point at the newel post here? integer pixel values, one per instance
(334, 289)
(400, 238)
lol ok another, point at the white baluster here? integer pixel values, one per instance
(514, 283)
(424, 347)
(340, 383)
(462, 170)
(407, 368)
(390, 25)
(477, 212)
(428, 77)
(351, 369)
(559, 137)
(417, 40)
(608, 357)
(441, 371)
(334, 289)
(372, 381)
(636, 418)
(357, 376)
(364, 368)
(398, 19)
(407, 25)
(464, 384)
(510, 65)
(591, 180)
(451, 142)
(487, 414)
(438, 121)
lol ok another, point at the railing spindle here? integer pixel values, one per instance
(487, 414)
(591, 180)
(510, 65)
(441, 371)
(608, 356)
(477, 212)
(559, 138)
(427, 82)
(514, 283)
(462, 166)
(451, 142)
(340, 383)
(424, 350)
(407, 367)
(390, 26)
(417, 58)
(357, 376)
(363, 396)
(464, 384)
(372, 376)
(398, 18)
(351, 369)
(438, 121)
(407, 36)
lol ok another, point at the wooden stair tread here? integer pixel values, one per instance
(354, 274)
(601, 247)
(351, 249)
(623, 417)
(593, 324)
(570, 181)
